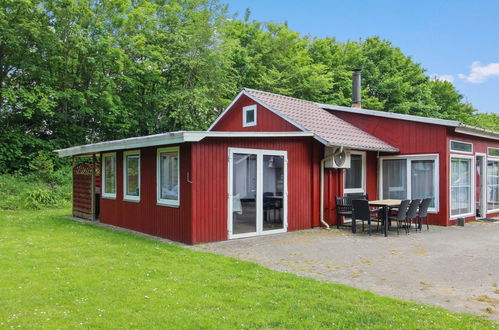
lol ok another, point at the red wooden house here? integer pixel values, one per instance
(265, 166)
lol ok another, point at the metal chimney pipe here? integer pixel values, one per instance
(356, 99)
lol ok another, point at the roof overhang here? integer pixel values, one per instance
(166, 139)
(392, 115)
(477, 131)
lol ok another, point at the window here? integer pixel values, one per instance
(249, 115)
(168, 183)
(458, 146)
(355, 176)
(131, 175)
(109, 175)
(492, 185)
(493, 151)
(460, 186)
(410, 177)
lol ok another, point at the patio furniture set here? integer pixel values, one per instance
(406, 213)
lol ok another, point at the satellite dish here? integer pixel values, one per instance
(340, 157)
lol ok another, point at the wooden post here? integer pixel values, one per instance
(73, 161)
(92, 190)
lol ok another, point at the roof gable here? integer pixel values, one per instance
(327, 128)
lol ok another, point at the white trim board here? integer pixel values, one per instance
(166, 139)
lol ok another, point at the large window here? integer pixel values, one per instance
(410, 177)
(168, 182)
(131, 175)
(109, 175)
(460, 186)
(355, 176)
(492, 185)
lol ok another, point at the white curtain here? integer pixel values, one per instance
(422, 176)
(492, 185)
(395, 179)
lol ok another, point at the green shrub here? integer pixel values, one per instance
(39, 198)
(28, 191)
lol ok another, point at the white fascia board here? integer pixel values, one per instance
(226, 109)
(130, 143)
(166, 139)
(257, 100)
(276, 112)
(477, 131)
(392, 115)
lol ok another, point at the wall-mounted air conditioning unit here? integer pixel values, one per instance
(340, 159)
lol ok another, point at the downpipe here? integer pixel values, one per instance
(323, 161)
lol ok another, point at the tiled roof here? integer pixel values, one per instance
(310, 117)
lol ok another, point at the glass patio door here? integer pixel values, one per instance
(257, 192)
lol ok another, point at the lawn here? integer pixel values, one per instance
(57, 273)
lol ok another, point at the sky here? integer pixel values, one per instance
(454, 40)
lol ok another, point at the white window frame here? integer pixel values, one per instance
(164, 201)
(472, 183)
(460, 151)
(126, 197)
(103, 172)
(260, 153)
(409, 158)
(363, 172)
(247, 109)
(494, 159)
(488, 152)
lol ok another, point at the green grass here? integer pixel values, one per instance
(57, 273)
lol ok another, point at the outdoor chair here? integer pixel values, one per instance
(343, 209)
(361, 211)
(353, 196)
(423, 212)
(268, 205)
(401, 215)
(412, 214)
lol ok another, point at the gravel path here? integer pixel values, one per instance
(454, 267)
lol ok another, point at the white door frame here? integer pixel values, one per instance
(259, 193)
(483, 183)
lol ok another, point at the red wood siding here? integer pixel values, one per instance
(210, 183)
(145, 216)
(411, 138)
(266, 121)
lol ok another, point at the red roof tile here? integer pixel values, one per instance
(308, 116)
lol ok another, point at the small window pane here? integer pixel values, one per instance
(353, 175)
(395, 179)
(461, 146)
(422, 176)
(169, 183)
(493, 151)
(250, 116)
(110, 174)
(132, 170)
(492, 185)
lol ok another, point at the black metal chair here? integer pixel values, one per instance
(401, 215)
(343, 208)
(268, 205)
(361, 211)
(423, 213)
(358, 196)
(412, 214)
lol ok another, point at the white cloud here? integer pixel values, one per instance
(443, 77)
(480, 73)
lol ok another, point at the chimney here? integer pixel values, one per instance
(356, 100)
